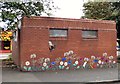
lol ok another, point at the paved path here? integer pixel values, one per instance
(92, 75)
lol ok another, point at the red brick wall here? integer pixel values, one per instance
(16, 50)
(35, 36)
(33, 40)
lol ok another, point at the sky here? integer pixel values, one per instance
(67, 9)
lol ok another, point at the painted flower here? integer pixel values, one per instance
(105, 54)
(78, 67)
(97, 65)
(25, 68)
(111, 57)
(67, 68)
(27, 63)
(65, 54)
(114, 62)
(80, 59)
(69, 62)
(63, 59)
(53, 63)
(71, 52)
(33, 56)
(47, 67)
(61, 67)
(76, 62)
(43, 68)
(99, 61)
(106, 60)
(84, 64)
(102, 62)
(102, 58)
(65, 63)
(86, 59)
(44, 64)
(61, 63)
(92, 57)
(29, 68)
(47, 59)
(96, 60)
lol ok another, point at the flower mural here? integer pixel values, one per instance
(27, 67)
(69, 61)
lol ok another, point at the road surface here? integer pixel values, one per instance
(87, 75)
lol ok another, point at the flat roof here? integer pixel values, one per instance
(72, 19)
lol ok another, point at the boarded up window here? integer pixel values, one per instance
(58, 32)
(89, 34)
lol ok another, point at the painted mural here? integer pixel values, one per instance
(70, 61)
(6, 41)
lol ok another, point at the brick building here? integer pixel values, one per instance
(78, 37)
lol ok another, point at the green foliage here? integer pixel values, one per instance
(97, 10)
(116, 7)
(102, 10)
(12, 12)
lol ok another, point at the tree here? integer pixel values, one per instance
(116, 7)
(12, 12)
(97, 10)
